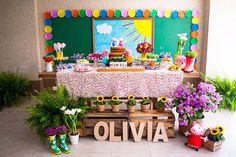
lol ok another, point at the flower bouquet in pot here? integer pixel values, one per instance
(215, 138)
(144, 48)
(131, 103)
(161, 103)
(49, 62)
(145, 104)
(100, 103)
(191, 103)
(115, 103)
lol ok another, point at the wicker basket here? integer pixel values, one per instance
(183, 129)
(210, 145)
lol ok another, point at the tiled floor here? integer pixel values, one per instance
(16, 140)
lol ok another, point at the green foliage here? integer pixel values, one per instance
(191, 54)
(146, 101)
(47, 112)
(12, 87)
(131, 102)
(117, 59)
(227, 89)
(215, 138)
(114, 102)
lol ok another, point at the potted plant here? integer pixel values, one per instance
(131, 103)
(144, 48)
(71, 121)
(51, 133)
(115, 104)
(49, 62)
(191, 103)
(215, 138)
(190, 58)
(100, 103)
(160, 105)
(145, 104)
(61, 132)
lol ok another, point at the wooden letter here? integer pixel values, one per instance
(112, 136)
(163, 135)
(137, 136)
(125, 131)
(149, 131)
(96, 131)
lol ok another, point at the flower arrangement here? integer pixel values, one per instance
(48, 58)
(191, 102)
(131, 100)
(161, 103)
(191, 54)
(180, 60)
(146, 100)
(144, 47)
(61, 129)
(216, 134)
(115, 101)
(99, 100)
(181, 43)
(51, 131)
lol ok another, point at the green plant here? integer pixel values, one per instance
(161, 102)
(115, 101)
(216, 134)
(12, 87)
(117, 59)
(146, 101)
(191, 54)
(99, 100)
(131, 100)
(227, 89)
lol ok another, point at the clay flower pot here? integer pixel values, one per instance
(161, 109)
(131, 109)
(115, 108)
(145, 108)
(100, 108)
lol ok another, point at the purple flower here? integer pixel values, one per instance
(61, 129)
(51, 131)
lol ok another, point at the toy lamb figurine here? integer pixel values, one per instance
(195, 136)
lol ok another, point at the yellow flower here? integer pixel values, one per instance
(146, 98)
(131, 97)
(163, 99)
(220, 129)
(115, 98)
(214, 131)
(100, 98)
(141, 46)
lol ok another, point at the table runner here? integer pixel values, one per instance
(152, 83)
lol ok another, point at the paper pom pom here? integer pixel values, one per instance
(139, 13)
(49, 49)
(131, 13)
(103, 13)
(48, 42)
(160, 13)
(194, 34)
(194, 41)
(82, 13)
(188, 13)
(74, 13)
(117, 13)
(181, 14)
(174, 14)
(195, 20)
(54, 13)
(61, 13)
(48, 29)
(68, 13)
(193, 47)
(124, 13)
(146, 13)
(110, 13)
(89, 13)
(46, 15)
(47, 22)
(194, 27)
(96, 13)
(167, 13)
(48, 36)
(195, 13)
(153, 13)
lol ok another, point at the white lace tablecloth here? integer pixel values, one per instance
(152, 83)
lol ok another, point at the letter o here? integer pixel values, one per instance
(96, 131)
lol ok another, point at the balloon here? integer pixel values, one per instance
(194, 34)
(167, 13)
(48, 36)
(46, 15)
(89, 13)
(68, 13)
(74, 13)
(124, 13)
(181, 14)
(131, 13)
(54, 13)
(193, 47)
(160, 13)
(194, 27)
(194, 41)
(146, 13)
(47, 22)
(48, 29)
(195, 20)
(61, 13)
(48, 42)
(110, 13)
(117, 13)
(174, 14)
(49, 49)
(195, 13)
(153, 13)
(82, 13)
(188, 13)
(139, 13)
(103, 13)
(96, 13)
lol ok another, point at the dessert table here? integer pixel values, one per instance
(152, 83)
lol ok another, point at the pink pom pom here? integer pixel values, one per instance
(128, 52)
(105, 53)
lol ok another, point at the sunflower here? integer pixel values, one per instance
(214, 131)
(146, 98)
(220, 129)
(131, 97)
(163, 99)
(115, 98)
(100, 98)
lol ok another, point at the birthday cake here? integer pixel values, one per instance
(117, 52)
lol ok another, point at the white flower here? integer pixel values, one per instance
(73, 111)
(63, 108)
(78, 110)
(67, 111)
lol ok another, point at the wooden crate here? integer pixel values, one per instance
(166, 117)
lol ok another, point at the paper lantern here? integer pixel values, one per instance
(74, 13)
(47, 22)
(124, 13)
(48, 36)
(96, 13)
(68, 13)
(195, 13)
(174, 14)
(61, 13)
(181, 14)
(131, 13)
(193, 47)
(194, 34)
(146, 13)
(194, 41)
(195, 20)
(89, 13)
(54, 14)
(48, 29)
(49, 49)
(103, 13)
(160, 13)
(153, 13)
(46, 15)
(49, 42)
(139, 13)
(110, 13)
(117, 13)
(167, 13)
(188, 13)
(194, 27)
(82, 13)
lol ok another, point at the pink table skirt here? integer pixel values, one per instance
(152, 83)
